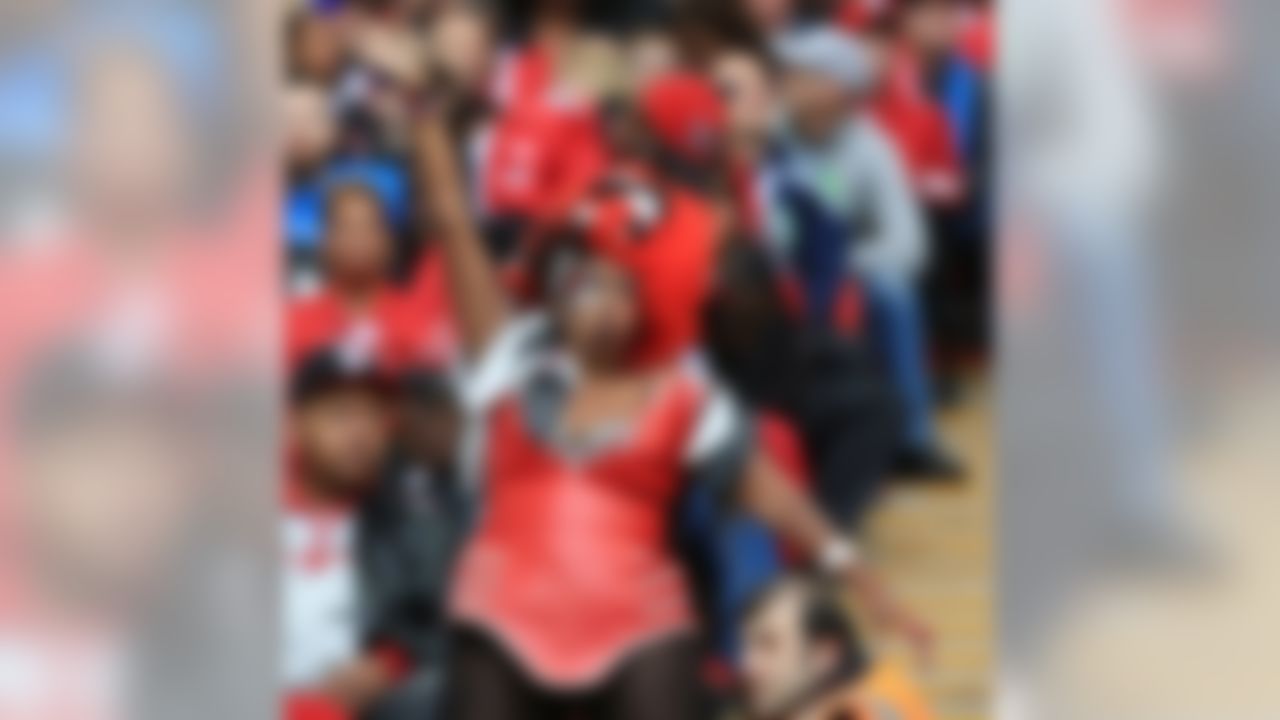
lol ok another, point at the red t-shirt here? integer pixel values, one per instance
(410, 326)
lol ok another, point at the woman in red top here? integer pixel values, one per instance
(571, 600)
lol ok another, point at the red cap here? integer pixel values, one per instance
(685, 113)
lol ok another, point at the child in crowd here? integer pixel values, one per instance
(366, 556)
(804, 661)
(843, 210)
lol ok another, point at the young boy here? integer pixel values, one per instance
(842, 209)
(363, 636)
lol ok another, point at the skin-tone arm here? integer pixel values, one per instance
(477, 295)
(766, 494)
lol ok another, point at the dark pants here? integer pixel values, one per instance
(660, 682)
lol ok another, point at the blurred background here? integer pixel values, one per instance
(1137, 360)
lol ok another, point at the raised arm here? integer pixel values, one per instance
(478, 299)
(766, 494)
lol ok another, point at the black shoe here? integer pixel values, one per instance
(928, 464)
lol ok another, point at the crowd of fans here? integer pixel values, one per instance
(604, 318)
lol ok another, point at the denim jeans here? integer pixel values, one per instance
(897, 331)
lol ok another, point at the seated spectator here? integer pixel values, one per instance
(746, 81)
(406, 327)
(362, 634)
(354, 155)
(915, 121)
(828, 387)
(804, 661)
(932, 33)
(844, 210)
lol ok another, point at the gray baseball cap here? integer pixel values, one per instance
(826, 50)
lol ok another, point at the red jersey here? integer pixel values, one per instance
(407, 326)
(546, 145)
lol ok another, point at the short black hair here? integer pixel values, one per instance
(330, 369)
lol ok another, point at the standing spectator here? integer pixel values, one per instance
(570, 597)
(844, 210)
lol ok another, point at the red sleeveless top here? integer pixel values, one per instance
(570, 569)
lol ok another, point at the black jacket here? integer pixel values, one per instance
(408, 536)
(830, 388)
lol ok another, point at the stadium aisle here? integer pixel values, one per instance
(935, 543)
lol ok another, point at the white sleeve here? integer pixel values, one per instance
(899, 245)
(721, 424)
(779, 231)
(503, 363)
